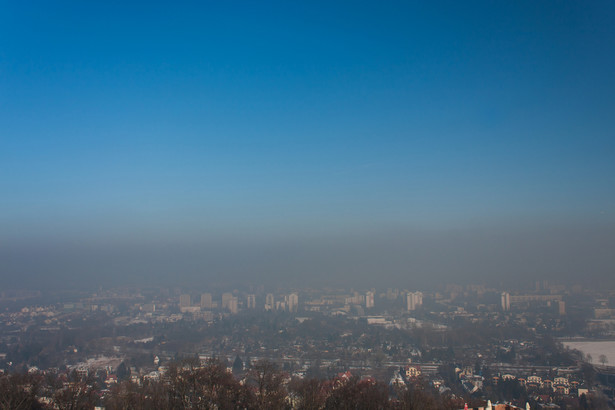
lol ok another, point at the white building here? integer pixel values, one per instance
(251, 302)
(414, 300)
(232, 304)
(269, 301)
(184, 301)
(226, 299)
(369, 299)
(505, 301)
(206, 301)
(293, 302)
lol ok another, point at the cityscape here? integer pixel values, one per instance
(307, 205)
(460, 345)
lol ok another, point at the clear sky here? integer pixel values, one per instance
(212, 121)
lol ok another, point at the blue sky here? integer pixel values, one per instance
(297, 117)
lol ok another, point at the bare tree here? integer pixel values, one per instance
(204, 387)
(311, 393)
(603, 360)
(270, 393)
(416, 397)
(18, 391)
(77, 395)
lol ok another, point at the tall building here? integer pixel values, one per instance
(226, 299)
(414, 300)
(232, 305)
(251, 302)
(505, 301)
(269, 302)
(206, 301)
(184, 300)
(561, 307)
(369, 299)
(293, 302)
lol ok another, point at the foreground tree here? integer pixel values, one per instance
(353, 394)
(127, 395)
(211, 386)
(18, 391)
(416, 397)
(75, 396)
(220, 389)
(267, 380)
(310, 394)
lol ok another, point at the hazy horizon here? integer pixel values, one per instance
(308, 144)
(413, 259)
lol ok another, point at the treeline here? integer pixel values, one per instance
(189, 385)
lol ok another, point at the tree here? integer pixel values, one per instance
(589, 373)
(310, 392)
(208, 387)
(219, 388)
(77, 395)
(122, 372)
(18, 391)
(583, 402)
(314, 371)
(268, 380)
(357, 395)
(603, 360)
(237, 365)
(127, 395)
(415, 397)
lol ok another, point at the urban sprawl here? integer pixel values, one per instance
(251, 347)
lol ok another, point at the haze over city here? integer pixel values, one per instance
(310, 144)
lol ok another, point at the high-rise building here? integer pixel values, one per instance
(505, 301)
(232, 304)
(226, 299)
(251, 302)
(269, 301)
(293, 302)
(414, 300)
(206, 301)
(369, 299)
(184, 300)
(561, 307)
